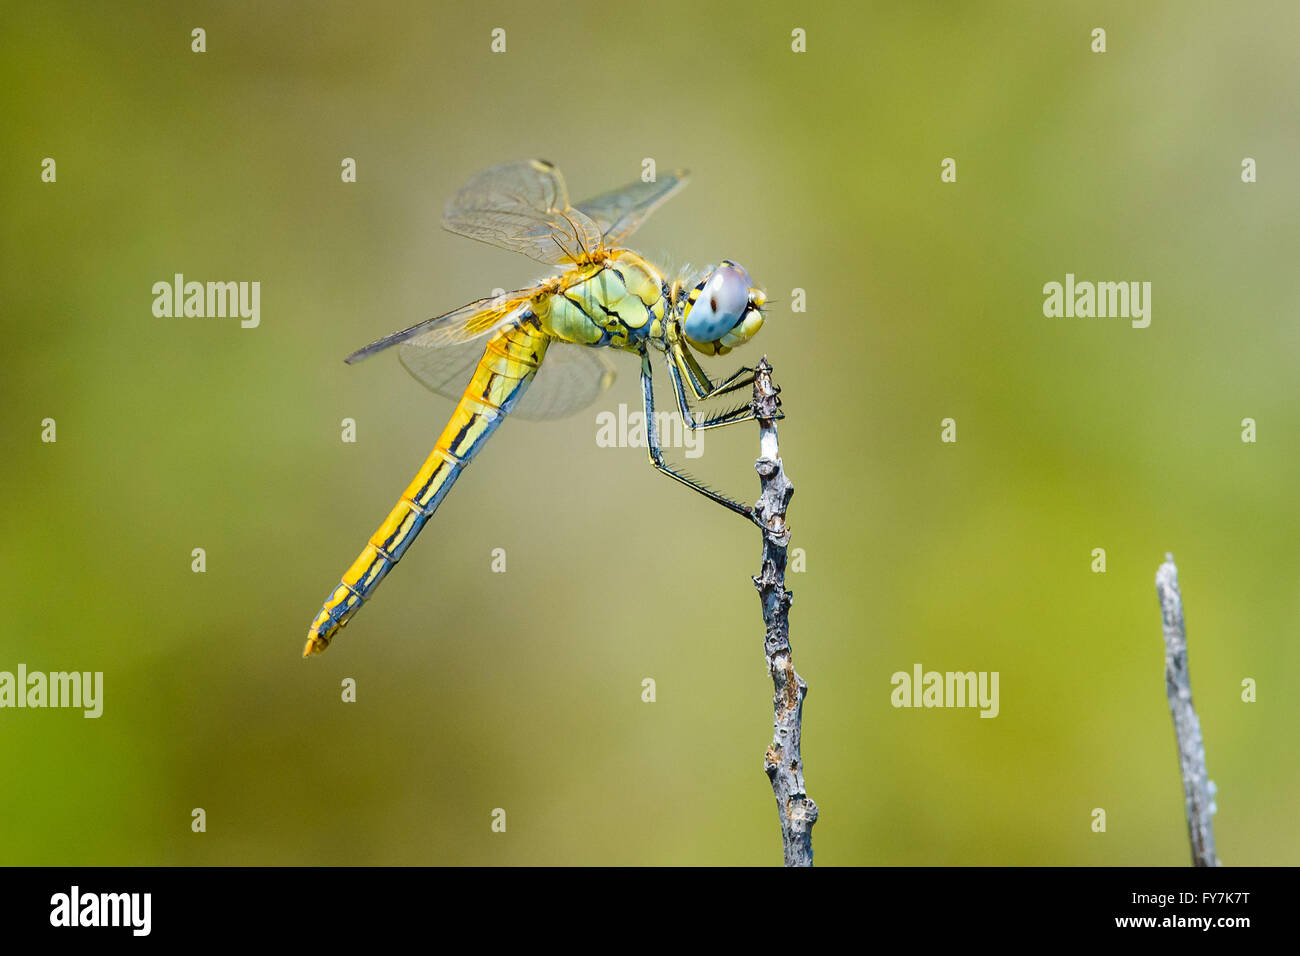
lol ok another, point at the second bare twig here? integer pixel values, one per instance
(1198, 789)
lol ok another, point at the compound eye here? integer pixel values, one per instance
(720, 304)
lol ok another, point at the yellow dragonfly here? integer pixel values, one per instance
(539, 352)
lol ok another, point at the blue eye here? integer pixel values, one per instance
(719, 306)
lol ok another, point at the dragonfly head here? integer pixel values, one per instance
(723, 311)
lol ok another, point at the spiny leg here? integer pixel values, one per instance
(742, 414)
(682, 365)
(656, 452)
(701, 386)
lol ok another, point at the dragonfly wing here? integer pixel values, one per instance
(523, 207)
(571, 378)
(444, 370)
(619, 213)
(465, 324)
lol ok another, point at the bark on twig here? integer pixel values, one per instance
(783, 761)
(1198, 790)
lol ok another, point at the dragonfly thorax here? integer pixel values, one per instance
(615, 302)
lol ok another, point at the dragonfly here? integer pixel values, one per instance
(542, 352)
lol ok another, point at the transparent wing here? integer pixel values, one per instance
(443, 370)
(465, 324)
(570, 379)
(619, 213)
(523, 207)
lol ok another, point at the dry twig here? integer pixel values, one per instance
(783, 762)
(1198, 789)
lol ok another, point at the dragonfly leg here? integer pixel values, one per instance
(701, 386)
(656, 451)
(682, 366)
(742, 414)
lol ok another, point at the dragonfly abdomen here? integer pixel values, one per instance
(508, 366)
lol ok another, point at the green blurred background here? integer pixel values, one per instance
(817, 171)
